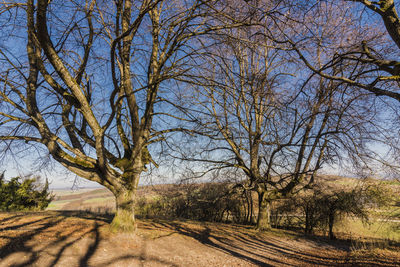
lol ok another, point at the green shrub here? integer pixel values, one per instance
(23, 194)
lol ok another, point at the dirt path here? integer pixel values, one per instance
(72, 239)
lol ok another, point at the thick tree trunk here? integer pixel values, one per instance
(125, 196)
(124, 219)
(264, 212)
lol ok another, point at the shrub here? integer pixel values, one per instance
(204, 202)
(23, 194)
(324, 206)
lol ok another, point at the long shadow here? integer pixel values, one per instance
(19, 243)
(228, 239)
(16, 227)
(92, 247)
(284, 250)
(205, 238)
(318, 259)
(66, 245)
(22, 241)
(7, 219)
(87, 215)
(244, 246)
(287, 252)
(255, 241)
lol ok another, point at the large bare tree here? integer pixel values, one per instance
(279, 129)
(90, 82)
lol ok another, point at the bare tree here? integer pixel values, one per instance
(92, 86)
(258, 117)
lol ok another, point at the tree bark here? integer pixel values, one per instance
(124, 219)
(264, 212)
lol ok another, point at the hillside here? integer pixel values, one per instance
(81, 239)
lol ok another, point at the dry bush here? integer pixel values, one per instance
(217, 202)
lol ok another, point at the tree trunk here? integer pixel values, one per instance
(331, 221)
(307, 229)
(125, 196)
(247, 209)
(309, 219)
(264, 211)
(124, 219)
(252, 221)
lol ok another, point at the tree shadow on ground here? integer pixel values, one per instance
(57, 238)
(51, 238)
(264, 249)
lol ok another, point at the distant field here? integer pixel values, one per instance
(95, 199)
(83, 199)
(63, 192)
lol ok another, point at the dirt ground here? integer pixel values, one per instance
(80, 239)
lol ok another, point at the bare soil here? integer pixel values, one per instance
(81, 239)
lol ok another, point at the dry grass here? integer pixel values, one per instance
(83, 239)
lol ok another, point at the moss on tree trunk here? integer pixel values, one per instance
(124, 219)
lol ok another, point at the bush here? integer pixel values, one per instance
(217, 202)
(323, 206)
(23, 194)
